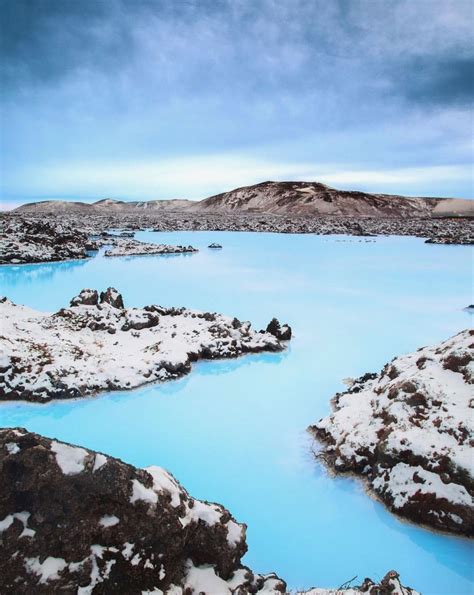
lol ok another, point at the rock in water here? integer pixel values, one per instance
(408, 431)
(93, 346)
(77, 521)
(282, 333)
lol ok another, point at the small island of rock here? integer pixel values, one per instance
(73, 520)
(408, 431)
(97, 344)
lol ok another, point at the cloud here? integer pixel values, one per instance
(122, 86)
(197, 177)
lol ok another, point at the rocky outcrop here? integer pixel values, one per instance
(408, 431)
(283, 333)
(77, 521)
(74, 520)
(134, 248)
(96, 344)
(39, 239)
(30, 241)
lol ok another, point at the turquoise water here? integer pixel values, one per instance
(234, 431)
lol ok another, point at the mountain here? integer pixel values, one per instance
(153, 205)
(55, 206)
(105, 205)
(281, 198)
(313, 198)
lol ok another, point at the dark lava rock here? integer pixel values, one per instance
(87, 297)
(73, 520)
(143, 320)
(282, 333)
(112, 297)
(215, 246)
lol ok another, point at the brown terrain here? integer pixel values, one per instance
(279, 198)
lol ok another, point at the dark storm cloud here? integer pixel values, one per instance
(43, 40)
(383, 83)
(449, 81)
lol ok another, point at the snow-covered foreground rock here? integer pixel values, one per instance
(96, 344)
(124, 247)
(409, 431)
(76, 521)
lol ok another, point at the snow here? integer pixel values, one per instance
(99, 462)
(418, 408)
(21, 516)
(12, 448)
(402, 487)
(203, 579)
(127, 550)
(85, 349)
(235, 533)
(202, 511)
(163, 481)
(7, 521)
(140, 492)
(69, 458)
(109, 520)
(47, 570)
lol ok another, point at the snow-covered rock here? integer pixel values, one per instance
(389, 585)
(409, 431)
(134, 248)
(76, 521)
(25, 241)
(70, 526)
(96, 344)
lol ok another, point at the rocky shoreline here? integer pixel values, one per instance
(29, 241)
(97, 344)
(135, 248)
(34, 238)
(408, 432)
(74, 520)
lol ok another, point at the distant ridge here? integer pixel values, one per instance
(281, 198)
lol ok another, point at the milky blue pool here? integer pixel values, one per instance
(234, 431)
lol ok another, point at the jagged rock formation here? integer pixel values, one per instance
(96, 344)
(77, 521)
(409, 432)
(283, 333)
(289, 198)
(29, 241)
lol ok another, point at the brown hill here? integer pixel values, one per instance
(313, 198)
(282, 198)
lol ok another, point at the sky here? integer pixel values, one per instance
(149, 99)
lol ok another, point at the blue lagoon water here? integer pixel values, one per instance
(234, 431)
